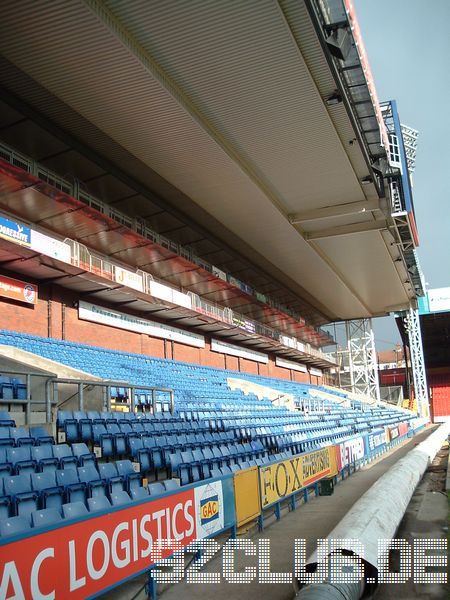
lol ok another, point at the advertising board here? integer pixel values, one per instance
(349, 451)
(283, 478)
(91, 555)
(22, 291)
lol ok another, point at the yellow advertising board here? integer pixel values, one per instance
(281, 479)
(246, 495)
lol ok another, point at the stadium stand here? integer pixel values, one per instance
(213, 431)
(233, 230)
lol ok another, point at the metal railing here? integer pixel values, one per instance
(51, 394)
(28, 401)
(136, 224)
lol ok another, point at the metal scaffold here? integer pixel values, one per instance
(358, 363)
(412, 325)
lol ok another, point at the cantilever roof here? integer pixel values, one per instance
(226, 103)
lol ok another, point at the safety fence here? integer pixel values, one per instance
(86, 557)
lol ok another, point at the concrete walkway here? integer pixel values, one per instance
(310, 521)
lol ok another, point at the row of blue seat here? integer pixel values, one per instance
(35, 459)
(12, 388)
(154, 457)
(23, 436)
(87, 429)
(26, 492)
(53, 513)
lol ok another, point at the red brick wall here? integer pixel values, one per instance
(25, 318)
(301, 377)
(185, 353)
(56, 315)
(279, 372)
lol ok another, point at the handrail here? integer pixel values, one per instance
(51, 392)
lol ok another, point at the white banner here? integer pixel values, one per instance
(287, 364)
(224, 348)
(439, 299)
(316, 372)
(164, 292)
(129, 278)
(113, 318)
(50, 246)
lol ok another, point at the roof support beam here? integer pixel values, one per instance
(346, 230)
(339, 210)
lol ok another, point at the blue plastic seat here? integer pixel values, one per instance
(7, 390)
(85, 430)
(5, 466)
(83, 455)
(74, 489)
(65, 456)
(14, 526)
(20, 459)
(43, 455)
(74, 510)
(24, 499)
(103, 439)
(170, 485)
(50, 493)
(120, 498)
(41, 436)
(5, 420)
(176, 460)
(139, 493)
(62, 417)
(21, 436)
(5, 502)
(71, 430)
(156, 488)
(98, 503)
(5, 437)
(91, 477)
(156, 458)
(114, 481)
(132, 479)
(119, 439)
(45, 517)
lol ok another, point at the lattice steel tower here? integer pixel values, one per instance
(412, 325)
(359, 369)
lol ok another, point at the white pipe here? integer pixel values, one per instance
(378, 513)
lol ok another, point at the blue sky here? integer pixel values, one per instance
(408, 45)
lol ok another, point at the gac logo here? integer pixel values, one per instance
(209, 509)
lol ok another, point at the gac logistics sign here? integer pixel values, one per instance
(281, 479)
(349, 451)
(14, 232)
(88, 557)
(18, 290)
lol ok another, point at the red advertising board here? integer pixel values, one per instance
(18, 290)
(402, 429)
(82, 559)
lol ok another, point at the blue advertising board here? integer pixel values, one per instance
(14, 232)
(375, 442)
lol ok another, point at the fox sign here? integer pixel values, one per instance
(89, 556)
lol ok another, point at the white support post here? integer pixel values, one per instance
(412, 324)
